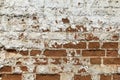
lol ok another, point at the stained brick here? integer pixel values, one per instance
(65, 20)
(11, 50)
(93, 53)
(111, 60)
(95, 60)
(80, 45)
(35, 52)
(105, 77)
(47, 77)
(110, 45)
(94, 45)
(24, 53)
(11, 77)
(79, 77)
(6, 69)
(112, 53)
(24, 68)
(55, 53)
(116, 77)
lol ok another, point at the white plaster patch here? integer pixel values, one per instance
(96, 69)
(42, 69)
(28, 76)
(66, 76)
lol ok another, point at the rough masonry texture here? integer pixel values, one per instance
(59, 40)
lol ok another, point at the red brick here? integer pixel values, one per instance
(35, 52)
(24, 68)
(110, 45)
(94, 45)
(65, 20)
(93, 53)
(11, 50)
(78, 52)
(12, 77)
(112, 53)
(95, 60)
(80, 45)
(47, 77)
(55, 53)
(6, 69)
(79, 77)
(105, 77)
(111, 60)
(24, 53)
(116, 77)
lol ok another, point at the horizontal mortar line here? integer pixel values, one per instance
(19, 48)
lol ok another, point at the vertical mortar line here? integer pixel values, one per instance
(81, 50)
(67, 35)
(112, 76)
(87, 45)
(22, 76)
(105, 52)
(29, 50)
(12, 69)
(102, 61)
(100, 42)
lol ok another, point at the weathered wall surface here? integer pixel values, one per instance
(59, 39)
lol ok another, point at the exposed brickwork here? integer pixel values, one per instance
(95, 60)
(94, 45)
(47, 77)
(110, 45)
(111, 61)
(112, 53)
(93, 53)
(105, 77)
(6, 69)
(35, 52)
(116, 76)
(11, 77)
(59, 40)
(55, 53)
(79, 77)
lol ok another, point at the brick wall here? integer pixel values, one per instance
(59, 40)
